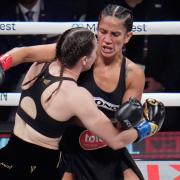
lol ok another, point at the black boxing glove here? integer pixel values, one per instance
(5, 64)
(154, 111)
(153, 118)
(129, 113)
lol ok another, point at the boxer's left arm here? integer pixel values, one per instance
(129, 113)
(135, 81)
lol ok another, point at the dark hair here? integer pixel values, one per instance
(73, 44)
(119, 12)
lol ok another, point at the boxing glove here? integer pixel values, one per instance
(2, 75)
(5, 64)
(153, 118)
(129, 113)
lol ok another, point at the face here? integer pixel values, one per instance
(112, 35)
(91, 58)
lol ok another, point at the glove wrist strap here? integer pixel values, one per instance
(144, 130)
(6, 61)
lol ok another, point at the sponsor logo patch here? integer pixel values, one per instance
(89, 141)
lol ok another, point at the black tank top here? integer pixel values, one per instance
(43, 123)
(106, 102)
(86, 155)
(82, 139)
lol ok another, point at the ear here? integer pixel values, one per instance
(84, 60)
(128, 37)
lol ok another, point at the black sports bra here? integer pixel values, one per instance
(43, 123)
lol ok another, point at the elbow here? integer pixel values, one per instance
(17, 49)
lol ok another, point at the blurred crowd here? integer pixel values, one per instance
(158, 54)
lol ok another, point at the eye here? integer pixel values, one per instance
(116, 34)
(102, 31)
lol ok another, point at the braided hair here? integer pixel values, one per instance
(71, 46)
(119, 12)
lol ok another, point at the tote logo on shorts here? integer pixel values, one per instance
(89, 141)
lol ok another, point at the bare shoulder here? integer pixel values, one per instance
(81, 101)
(36, 67)
(83, 93)
(133, 69)
(81, 96)
(135, 80)
(33, 71)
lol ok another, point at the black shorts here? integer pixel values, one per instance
(22, 160)
(103, 163)
(85, 167)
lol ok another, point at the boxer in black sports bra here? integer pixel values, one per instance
(41, 118)
(49, 102)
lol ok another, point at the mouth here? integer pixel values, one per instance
(107, 49)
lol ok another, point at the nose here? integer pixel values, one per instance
(107, 39)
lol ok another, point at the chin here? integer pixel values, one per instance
(107, 55)
(86, 69)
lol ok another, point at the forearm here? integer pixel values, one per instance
(39, 53)
(124, 138)
(19, 55)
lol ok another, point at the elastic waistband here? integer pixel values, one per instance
(21, 146)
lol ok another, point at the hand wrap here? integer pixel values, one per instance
(5, 64)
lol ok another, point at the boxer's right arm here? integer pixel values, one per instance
(2, 75)
(38, 53)
(97, 122)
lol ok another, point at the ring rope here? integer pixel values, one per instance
(139, 28)
(54, 28)
(169, 99)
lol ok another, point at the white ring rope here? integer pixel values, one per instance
(169, 99)
(139, 28)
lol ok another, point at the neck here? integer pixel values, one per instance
(133, 3)
(28, 5)
(71, 73)
(111, 61)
